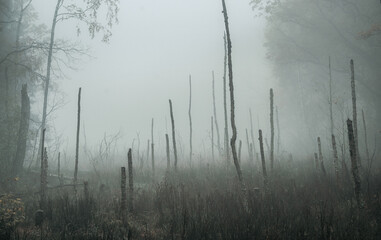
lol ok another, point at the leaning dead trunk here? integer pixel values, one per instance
(354, 112)
(272, 128)
(321, 157)
(18, 161)
(231, 88)
(355, 170)
(130, 182)
(77, 139)
(265, 180)
(173, 133)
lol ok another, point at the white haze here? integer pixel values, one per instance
(154, 48)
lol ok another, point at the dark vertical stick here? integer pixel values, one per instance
(335, 158)
(321, 156)
(366, 136)
(77, 139)
(226, 135)
(42, 185)
(239, 151)
(212, 129)
(215, 114)
(262, 157)
(252, 135)
(278, 128)
(123, 189)
(173, 133)
(152, 152)
(354, 111)
(190, 119)
(130, 182)
(248, 147)
(148, 148)
(231, 88)
(355, 170)
(330, 94)
(168, 152)
(316, 160)
(272, 128)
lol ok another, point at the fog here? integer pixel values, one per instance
(152, 52)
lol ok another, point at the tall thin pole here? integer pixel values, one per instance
(354, 111)
(272, 128)
(190, 119)
(77, 140)
(173, 133)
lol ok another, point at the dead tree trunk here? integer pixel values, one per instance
(152, 152)
(130, 182)
(173, 134)
(265, 180)
(77, 139)
(366, 137)
(212, 129)
(278, 128)
(355, 170)
(231, 88)
(335, 158)
(316, 160)
(239, 151)
(252, 136)
(272, 128)
(190, 119)
(226, 135)
(321, 157)
(168, 152)
(123, 190)
(248, 147)
(354, 111)
(19, 157)
(42, 173)
(148, 148)
(215, 114)
(330, 95)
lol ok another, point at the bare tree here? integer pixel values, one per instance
(212, 130)
(365, 136)
(152, 152)
(123, 189)
(168, 152)
(252, 134)
(321, 157)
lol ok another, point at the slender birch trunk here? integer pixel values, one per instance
(252, 136)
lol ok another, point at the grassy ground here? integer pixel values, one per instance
(205, 202)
